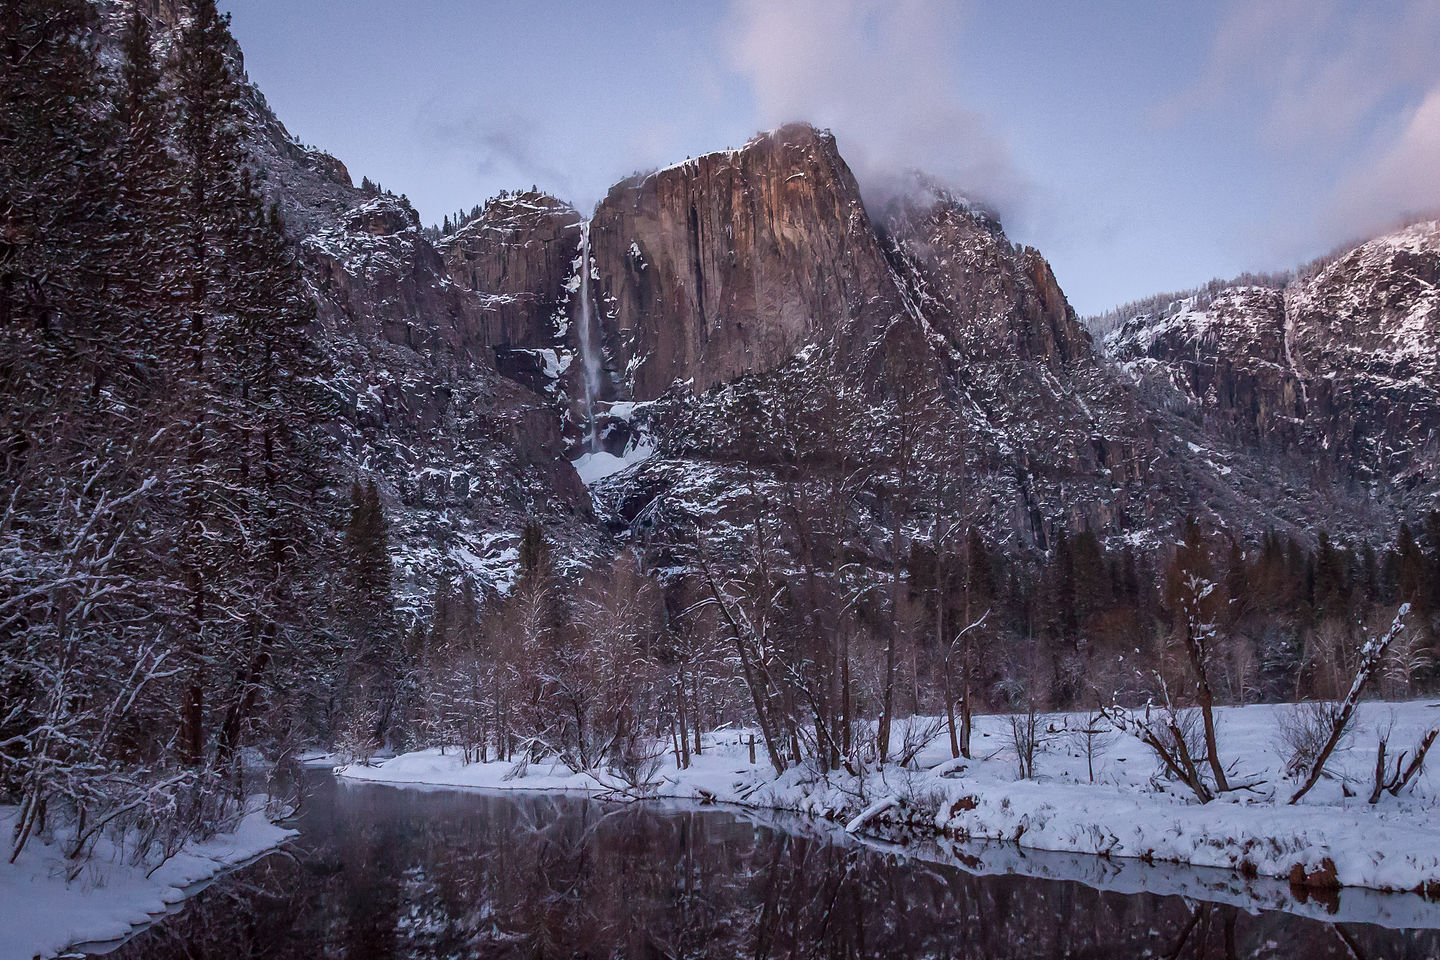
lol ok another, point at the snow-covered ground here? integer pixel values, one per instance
(1130, 811)
(41, 914)
(598, 465)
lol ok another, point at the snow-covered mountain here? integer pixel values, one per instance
(1338, 370)
(716, 294)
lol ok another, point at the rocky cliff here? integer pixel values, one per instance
(743, 303)
(731, 262)
(929, 299)
(1337, 368)
(422, 341)
(516, 257)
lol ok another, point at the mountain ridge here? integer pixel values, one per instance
(727, 269)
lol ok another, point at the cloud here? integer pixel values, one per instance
(504, 147)
(1318, 71)
(1346, 93)
(1401, 181)
(881, 75)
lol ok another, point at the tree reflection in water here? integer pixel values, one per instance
(382, 873)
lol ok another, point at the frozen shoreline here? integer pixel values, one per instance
(1129, 812)
(41, 914)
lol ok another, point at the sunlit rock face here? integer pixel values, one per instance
(731, 262)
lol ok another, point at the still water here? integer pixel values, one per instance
(380, 872)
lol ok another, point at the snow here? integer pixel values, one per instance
(596, 466)
(497, 562)
(1130, 811)
(41, 914)
(626, 409)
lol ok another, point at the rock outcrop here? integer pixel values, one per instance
(1339, 368)
(730, 263)
(516, 257)
(986, 295)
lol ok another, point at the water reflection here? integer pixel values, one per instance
(381, 873)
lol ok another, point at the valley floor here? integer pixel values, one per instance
(1130, 810)
(41, 913)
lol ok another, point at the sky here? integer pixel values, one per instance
(1141, 145)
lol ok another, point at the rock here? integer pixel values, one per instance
(731, 262)
(728, 289)
(1336, 370)
(517, 256)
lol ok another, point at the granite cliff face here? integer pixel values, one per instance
(462, 453)
(1338, 367)
(731, 262)
(734, 296)
(928, 298)
(1076, 443)
(516, 257)
(986, 295)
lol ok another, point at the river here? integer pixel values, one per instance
(381, 872)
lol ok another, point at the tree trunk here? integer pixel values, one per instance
(950, 713)
(695, 709)
(682, 748)
(1207, 713)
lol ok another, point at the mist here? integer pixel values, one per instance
(881, 76)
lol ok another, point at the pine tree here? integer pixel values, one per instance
(377, 666)
(282, 449)
(535, 561)
(78, 578)
(210, 140)
(1410, 564)
(1432, 537)
(1331, 582)
(148, 219)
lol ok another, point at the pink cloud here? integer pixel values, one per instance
(881, 76)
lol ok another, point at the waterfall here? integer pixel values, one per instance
(589, 355)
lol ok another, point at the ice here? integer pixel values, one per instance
(596, 466)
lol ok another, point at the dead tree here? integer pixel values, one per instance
(959, 644)
(1396, 780)
(1196, 597)
(1372, 659)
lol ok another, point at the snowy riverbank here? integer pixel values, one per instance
(41, 914)
(1129, 811)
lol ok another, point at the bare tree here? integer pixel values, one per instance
(1093, 738)
(1372, 659)
(1397, 778)
(749, 608)
(1198, 600)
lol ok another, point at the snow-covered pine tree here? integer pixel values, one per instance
(377, 667)
(210, 132)
(277, 426)
(79, 588)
